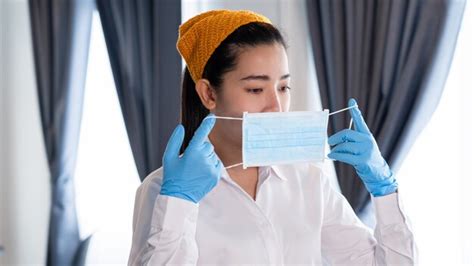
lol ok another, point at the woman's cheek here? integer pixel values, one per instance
(241, 104)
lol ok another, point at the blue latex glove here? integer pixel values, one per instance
(197, 171)
(359, 149)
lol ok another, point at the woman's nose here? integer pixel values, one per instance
(273, 103)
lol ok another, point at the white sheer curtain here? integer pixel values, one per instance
(436, 178)
(106, 176)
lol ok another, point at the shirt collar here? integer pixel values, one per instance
(265, 170)
(277, 171)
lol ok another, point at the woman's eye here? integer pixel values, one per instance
(255, 91)
(285, 89)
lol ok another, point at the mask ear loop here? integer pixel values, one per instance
(345, 109)
(228, 118)
(342, 110)
(350, 123)
(238, 118)
(233, 165)
(223, 117)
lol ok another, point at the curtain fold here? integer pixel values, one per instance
(60, 34)
(141, 37)
(392, 56)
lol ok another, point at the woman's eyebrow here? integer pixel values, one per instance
(263, 77)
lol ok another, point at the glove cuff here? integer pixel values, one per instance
(384, 187)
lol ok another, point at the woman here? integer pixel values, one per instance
(195, 211)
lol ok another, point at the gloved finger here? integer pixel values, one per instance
(348, 147)
(203, 130)
(344, 157)
(219, 166)
(213, 158)
(346, 135)
(207, 148)
(174, 143)
(356, 115)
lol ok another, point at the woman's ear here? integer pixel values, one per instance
(206, 93)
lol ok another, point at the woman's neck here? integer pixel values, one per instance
(230, 153)
(227, 150)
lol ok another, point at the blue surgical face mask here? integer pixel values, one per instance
(273, 138)
(283, 137)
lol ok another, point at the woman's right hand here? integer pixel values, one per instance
(193, 175)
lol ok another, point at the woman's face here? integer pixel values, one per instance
(259, 83)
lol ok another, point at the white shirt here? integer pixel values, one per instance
(296, 218)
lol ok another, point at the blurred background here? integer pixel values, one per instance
(89, 94)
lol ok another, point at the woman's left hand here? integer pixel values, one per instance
(359, 149)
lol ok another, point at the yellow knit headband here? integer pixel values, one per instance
(202, 34)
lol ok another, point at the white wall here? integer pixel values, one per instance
(2, 111)
(24, 177)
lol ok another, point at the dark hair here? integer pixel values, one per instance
(222, 60)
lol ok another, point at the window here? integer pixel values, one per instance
(106, 177)
(436, 179)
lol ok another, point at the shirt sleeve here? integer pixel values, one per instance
(164, 229)
(347, 241)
